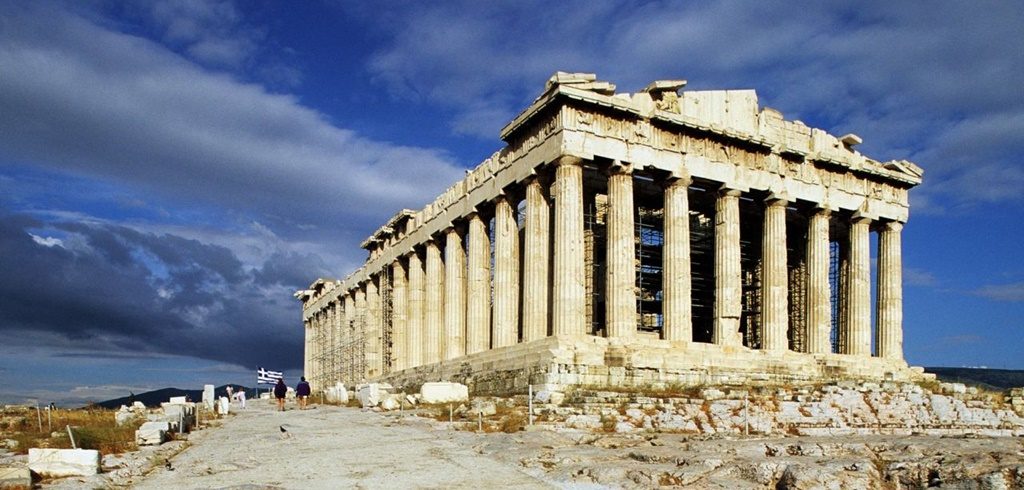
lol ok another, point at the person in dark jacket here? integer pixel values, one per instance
(302, 393)
(280, 390)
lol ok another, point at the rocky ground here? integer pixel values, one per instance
(331, 447)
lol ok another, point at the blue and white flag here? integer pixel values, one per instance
(265, 377)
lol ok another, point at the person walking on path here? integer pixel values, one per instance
(280, 390)
(302, 392)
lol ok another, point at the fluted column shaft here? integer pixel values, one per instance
(728, 285)
(306, 351)
(506, 274)
(414, 320)
(859, 309)
(478, 294)
(536, 286)
(454, 340)
(361, 328)
(433, 307)
(620, 259)
(569, 288)
(399, 285)
(890, 291)
(677, 311)
(775, 281)
(819, 293)
(374, 337)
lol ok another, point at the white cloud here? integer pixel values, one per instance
(1003, 292)
(48, 241)
(89, 100)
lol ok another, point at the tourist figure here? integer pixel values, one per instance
(280, 390)
(240, 396)
(302, 392)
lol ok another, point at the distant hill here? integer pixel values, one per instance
(993, 379)
(156, 397)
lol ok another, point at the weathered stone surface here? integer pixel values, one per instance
(370, 395)
(444, 392)
(63, 462)
(336, 394)
(15, 477)
(208, 397)
(152, 433)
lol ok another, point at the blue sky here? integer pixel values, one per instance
(171, 171)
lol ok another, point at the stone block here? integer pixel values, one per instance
(444, 392)
(336, 394)
(223, 405)
(63, 462)
(138, 406)
(208, 397)
(485, 408)
(11, 477)
(152, 433)
(390, 403)
(370, 395)
(179, 400)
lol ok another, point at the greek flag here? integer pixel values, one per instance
(265, 377)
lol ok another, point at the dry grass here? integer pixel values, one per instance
(93, 429)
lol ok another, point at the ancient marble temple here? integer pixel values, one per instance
(665, 236)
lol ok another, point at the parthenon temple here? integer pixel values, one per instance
(667, 236)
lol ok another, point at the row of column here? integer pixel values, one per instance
(442, 305)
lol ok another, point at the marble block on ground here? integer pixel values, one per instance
(11, 477)
(64, 462)
(152, 433)
(444, 392)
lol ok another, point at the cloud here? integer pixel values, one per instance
(115, 290)
(918, 277)
(90, 101)
(1003, 292)
(926, 82)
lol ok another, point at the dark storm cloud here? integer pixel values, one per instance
(105, 287)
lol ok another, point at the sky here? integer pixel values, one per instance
(172, 171)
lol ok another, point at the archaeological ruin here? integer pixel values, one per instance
(665, 236)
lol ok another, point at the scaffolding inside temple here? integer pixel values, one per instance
(702, 262)
(386, 316)
(595, 212)
(320, 360)
(751, 225)
(834, 274)
(649, 236)
(796, 253)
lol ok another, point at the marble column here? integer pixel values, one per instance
(819, 292)
(890, 291)
(399, 284)
(433, 305)
(536, 262)
(677, 311)
(453, 342)
(859, 302)
(415, 316)
(775, 282)
(307, 351)
(362, 335)
(568, 317)
(374, 332)
(728, 285)
(506, 273)
(620, 258)
(478, 294)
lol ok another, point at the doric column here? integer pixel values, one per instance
(859, 305)
(819, 304)
(399, 305)
(890, 291)
(334, 345)
(414, 320)
(433, 305)
(478, 294)
(567, 293)
(506, 273)
(775, 282)
(536, 285)
(727, 269)
(306, 354)
(374, 332)
(362, 333)
(454, 340)
(677, 312)
(317, 344)
(620, 259)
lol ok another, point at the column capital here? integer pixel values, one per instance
(778, 198)
(680, 175)
(618, 167)
(568, 160)
(730, 192)
(858, 218)
(891, 226)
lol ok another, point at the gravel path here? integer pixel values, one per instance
(333, 447)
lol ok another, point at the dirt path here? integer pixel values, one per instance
(333, 447)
